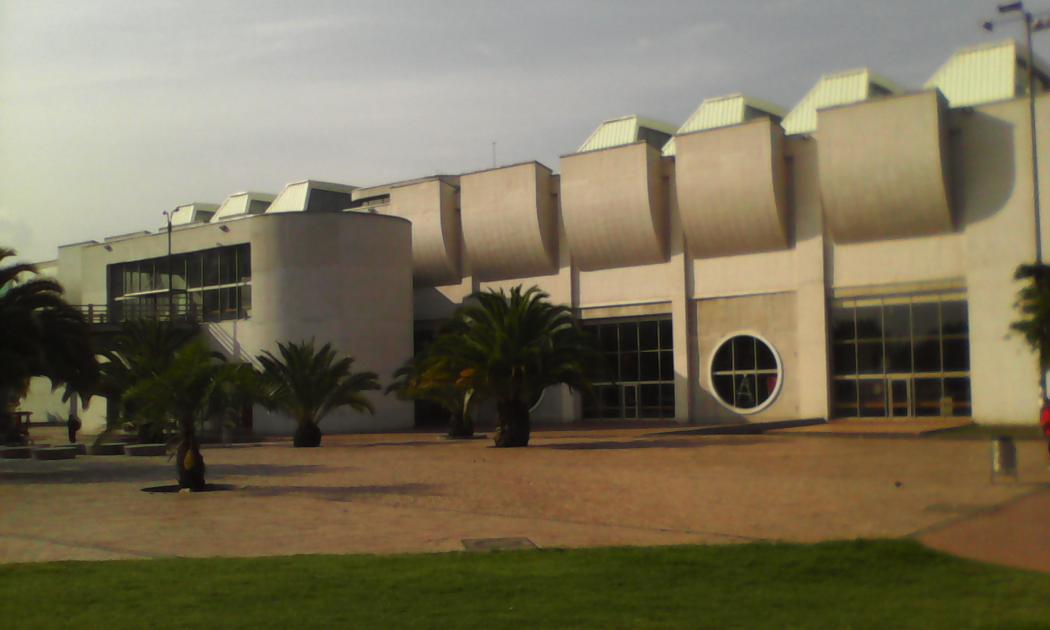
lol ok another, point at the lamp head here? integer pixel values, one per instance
(1010, 7)
(988, 25)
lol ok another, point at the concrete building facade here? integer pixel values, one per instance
(850, 258)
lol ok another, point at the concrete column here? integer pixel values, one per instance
(680, 270)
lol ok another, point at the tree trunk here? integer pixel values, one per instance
(189, 463)
(514, 426)
(461, 426)
(307, 435)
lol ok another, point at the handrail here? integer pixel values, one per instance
(100, 314)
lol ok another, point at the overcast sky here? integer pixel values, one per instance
(113, 111)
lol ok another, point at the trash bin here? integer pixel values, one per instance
(1004, 457)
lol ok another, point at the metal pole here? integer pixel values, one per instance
(171, 294)
(1032, 132)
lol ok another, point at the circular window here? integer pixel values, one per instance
(746, 373)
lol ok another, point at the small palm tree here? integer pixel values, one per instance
(40, 335)
(143, 349)
(432, 376)
(188, 391)
(510, 347)
(308, 383)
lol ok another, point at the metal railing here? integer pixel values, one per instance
(117, 313)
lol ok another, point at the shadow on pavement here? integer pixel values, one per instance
(633, 444)
(341, 493)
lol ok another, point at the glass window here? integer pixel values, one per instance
(869, 322)
(195, 269)
(211, 268)
(639, 360)
(648, 335)
(628, 337)
(244, 263)
(228, 265)
(744, 372)
(844, 358)
(896, 321)
(842, 325)
(954, 319)
(925, 319)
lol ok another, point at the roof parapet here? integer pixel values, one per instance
(724, 111)
(838, 88)
(617, 132)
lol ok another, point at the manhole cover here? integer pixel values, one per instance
(497, 544)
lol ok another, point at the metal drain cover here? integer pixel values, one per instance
(497, 544)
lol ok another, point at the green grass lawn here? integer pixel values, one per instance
(861, 584)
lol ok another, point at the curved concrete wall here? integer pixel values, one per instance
(510, 224)
(436, 232)
(883, 168)
(614, 205)
(730, 186)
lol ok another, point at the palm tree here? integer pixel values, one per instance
(308, 383)
(143, 349)
(433, 377)
(510, 347)
(41, 335)
(189, 390)
(1034, 303)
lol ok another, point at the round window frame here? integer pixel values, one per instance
(780, 373)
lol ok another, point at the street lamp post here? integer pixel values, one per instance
(171, 294)
(1032, 23)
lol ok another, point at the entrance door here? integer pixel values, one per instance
(900, 397)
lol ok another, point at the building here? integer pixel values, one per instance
(850, 257)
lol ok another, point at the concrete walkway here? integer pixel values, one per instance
(416, 492)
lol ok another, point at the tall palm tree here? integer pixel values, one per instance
(189, 390)
(510, 347)
(143, 349)
(307, 383)
(40, 335)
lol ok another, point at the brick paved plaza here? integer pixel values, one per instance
(420, 492)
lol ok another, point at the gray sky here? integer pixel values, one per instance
(112, 111)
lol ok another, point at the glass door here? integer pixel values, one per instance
(900, 398)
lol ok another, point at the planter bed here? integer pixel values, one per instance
(107, 448)
(55, 452)
(15, 452)
(145, 450)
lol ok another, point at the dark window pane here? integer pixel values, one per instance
(869, 357)
(648, 335)
(844, 397)
(723, 361)
(116, 281)
(872, 398)
(724, 387)
(211, 306)
(928, 356)
(629, 366)
(844, 358)
(667, 365)
(764, 358)
(957, 395)
(765, 385)
(612, 367)
(869, 322)
(246, 300)
(896, 321)
(650, 395)
(227, 265)
(244, 263)
(590, 406)
(211, 268)
(628, 337)
(956, 355)
(743, 353)
(746, 391)
(842, 328)
(953, 318)
(899, 398)
(160, 274)
(666, 335)
(650, 369)
(194, 268)
(630, 402)
(608, 338)
(927, 393)
(178, 272)
(898, 356)
(610, 397)
(925, 319)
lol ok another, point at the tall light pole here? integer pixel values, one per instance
(1032, 23)
(171, 294)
